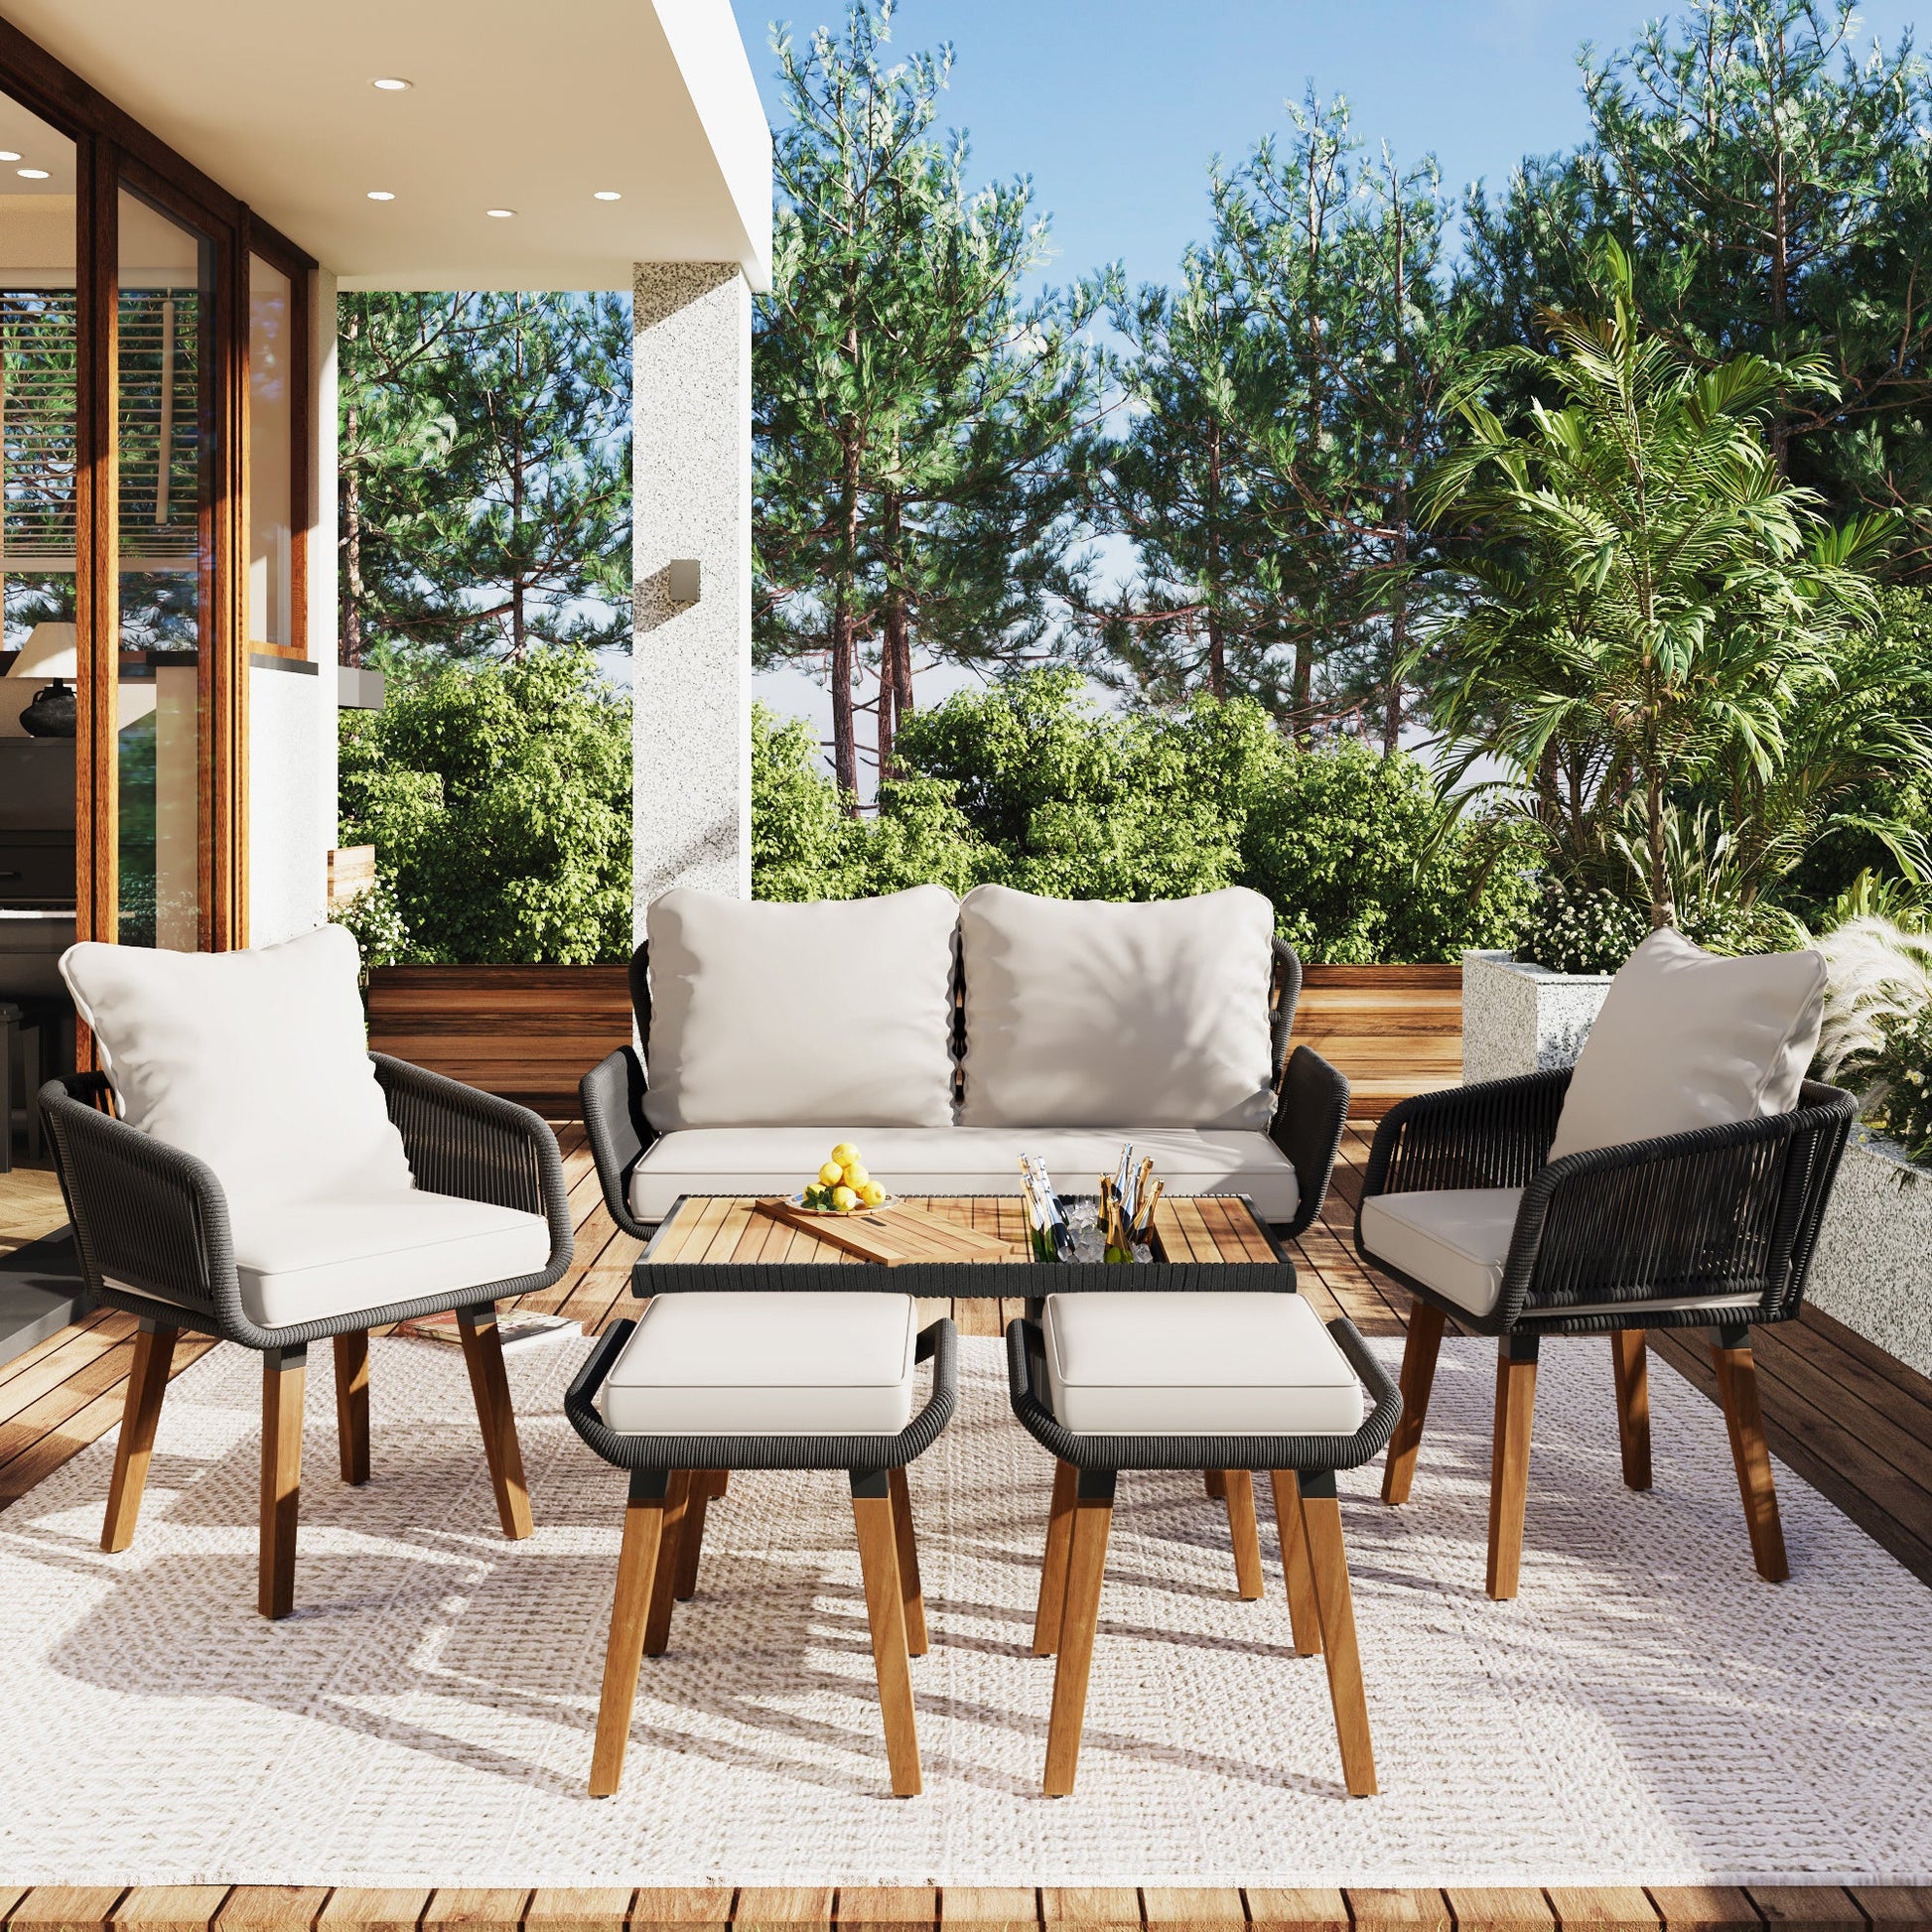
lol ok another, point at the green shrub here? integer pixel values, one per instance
(498, 797)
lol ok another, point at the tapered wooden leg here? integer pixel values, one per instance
(911, 1594)
(147, 1383)
(872, 1514)
(677, 1507)
(639, 1564)
(1737, 1366)
(1419, 1354)
(285, 1375)
(1335, 1604)
(482, 1353)
(1632, 1365)
(352, 1406)
(1052, 1569)
(1238, 1486)
(1304, 1614)
(1215, 1482)
(690, 1535)
(1093, 1511)
(1509, 1468)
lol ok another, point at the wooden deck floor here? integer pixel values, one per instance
(1844, 1414)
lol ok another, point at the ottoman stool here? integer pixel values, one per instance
(713, 1381)
(1198, 1381)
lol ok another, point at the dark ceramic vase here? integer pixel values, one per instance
(52, 712)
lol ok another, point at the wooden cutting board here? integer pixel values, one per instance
(893, 1236)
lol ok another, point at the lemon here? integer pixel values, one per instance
(844, 1154)
(855, 1175)
(844, 1200)
(831, 1175)
(872, 1193)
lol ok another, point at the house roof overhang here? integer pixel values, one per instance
(534, 109)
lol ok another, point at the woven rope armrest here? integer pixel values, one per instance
(1493, 1135)
(1310, 1114)
(1720, 1211)
(612, 1097)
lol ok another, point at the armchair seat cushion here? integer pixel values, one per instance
(960, 1161)
(1452, 1239)
(314, 1260)
(765, 1364)
(1155, 1364)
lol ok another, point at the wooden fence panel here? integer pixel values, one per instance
(1393, 1030)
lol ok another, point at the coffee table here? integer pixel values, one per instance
(1201, 1242)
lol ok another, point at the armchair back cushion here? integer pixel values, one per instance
(835, 1013)
(1082, 1012)
(257, 1062)
(1687, 1040)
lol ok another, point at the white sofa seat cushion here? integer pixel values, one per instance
(959, 1160)
(1452, 1239)
(1686, 1040)
(1133, 1364)
(314, 1260)
(257, 1062)
(758, 1364)
(838, 1010)
(1081, 1012)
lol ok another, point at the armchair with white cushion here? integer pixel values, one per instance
(245, 1168)
(1674, 1179)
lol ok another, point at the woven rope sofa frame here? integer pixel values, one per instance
(1310, 1104)
(1611, 1242)
(672, 1478)
(1308, 1515)
(152, 1230)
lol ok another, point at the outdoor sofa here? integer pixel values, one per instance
(946, 1037)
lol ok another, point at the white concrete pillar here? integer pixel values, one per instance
(691, 662)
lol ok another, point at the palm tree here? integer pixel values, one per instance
(1653, 601)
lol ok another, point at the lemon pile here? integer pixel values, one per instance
(844, 1186)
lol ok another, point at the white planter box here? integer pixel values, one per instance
(1522, 1019)
(1872, 1266)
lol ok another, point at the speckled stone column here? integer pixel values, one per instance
(691, 664)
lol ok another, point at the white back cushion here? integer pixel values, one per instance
(1084, 1012)
(835, 1013)
(1686, 1039)
(257, 1062)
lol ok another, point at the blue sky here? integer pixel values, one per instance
(1116, 107)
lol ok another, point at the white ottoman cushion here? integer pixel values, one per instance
(1452, 1239)
(1255, 1364)
(723, 1364)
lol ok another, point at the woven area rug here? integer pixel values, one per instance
(1647, 1710)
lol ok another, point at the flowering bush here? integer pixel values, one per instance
(1898, 1098)
(1573, 927)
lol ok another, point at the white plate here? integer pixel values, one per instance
(841, 1214)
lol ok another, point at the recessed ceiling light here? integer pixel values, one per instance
(32, 173)
(606, 194)
(502, 214)
(7, 154)
(392, 84)
(381, 194)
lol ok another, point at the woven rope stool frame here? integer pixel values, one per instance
(1315, 1564)
(673, 1476)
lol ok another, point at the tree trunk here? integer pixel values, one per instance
(518, 632)
(1398, 623)
(894, 681)
(352, 600)
(845, 628)
(1662, 912)
(1218, 653)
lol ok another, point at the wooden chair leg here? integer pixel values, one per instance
(1215, 1482)
(285, 1376)
(911, 1592)
(873, 1515)
(1737, 1366)
(1238, 1486)
(482, 1353)
(1052, 1569)
(1093, 1511)
(677, 1511)
(1335, 1606)
(1509, 1468)
(1304, 1614)
(1419, 1354)
(1631, 1364)
(690, 1535)
(352, 1406)
(638, 1564)
(146, 1384)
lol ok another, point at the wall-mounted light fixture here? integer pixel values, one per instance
(681, 581)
